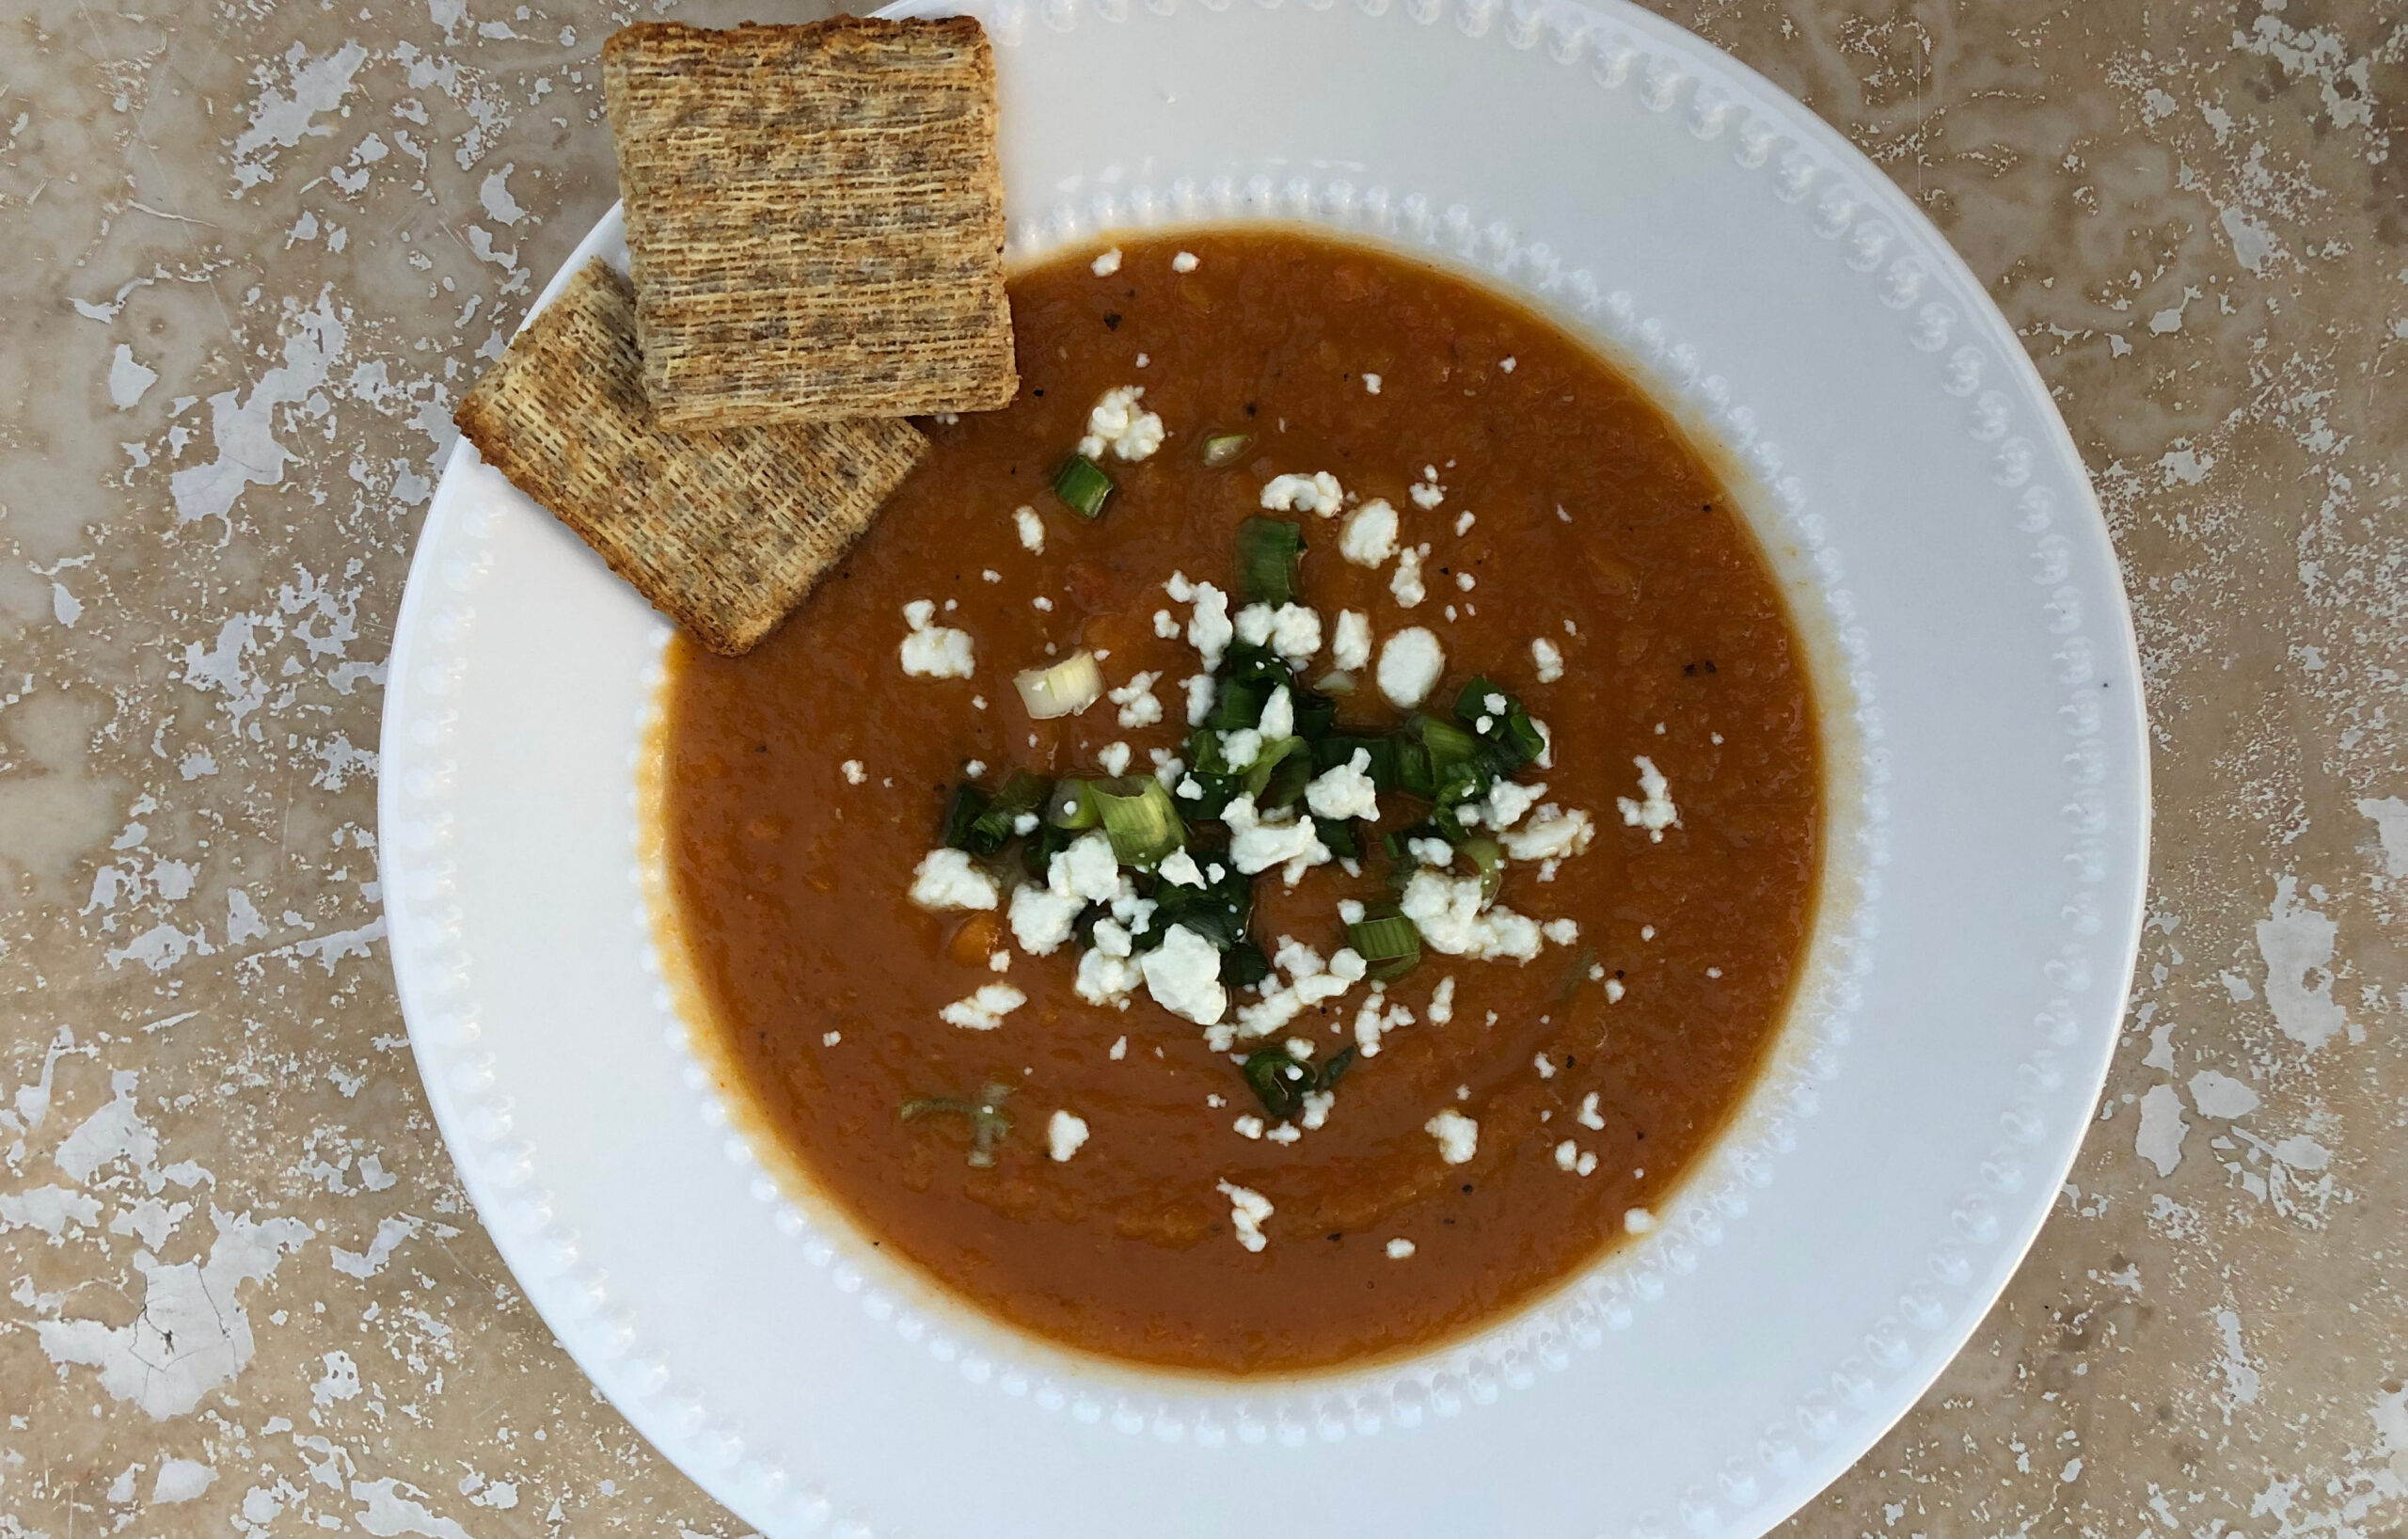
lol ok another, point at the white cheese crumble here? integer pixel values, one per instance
(1278, 718)
(1349, 648)
(1466, 581)
(1464, 521)
(1400, 1248)
(1433, 852)
(1638, 1221)
(1447, 912)
(1184, 975)
(1656, 812)
(1209, 629)
(1507, 365)
(829, 1039)
(1442, 1002)
(1550, 834)
(1183, 262)
(1316, 1104)
(1239, 749)
(1545, 1065)
(1113, 757)
(1031, 529)
(1317, 493)
(946, 880)
(1458, 1136)
(854, 771)
(1350, 911)
(1371, 383)
(1247, 1126)
(1613, 991)
(1119, 1048)
(1367, 538)
(1166, 624)
(1405, 583)
(1508, 799)
(1064, 1132)
(1247, 1210)
(1589, 1118)
(1107, 977)
(1115, 422)
(984, 1011)
(1138, 706)
(1548, 659)
(1258, 844)
(1086, 873)
(1561, 931)
(1106, 264)
(1567, 1155)
(1410, 663)
(1292, 631)
(1345, 790)
(1426, 493)
(934, 651)
(1178, 869)
(1310, 982)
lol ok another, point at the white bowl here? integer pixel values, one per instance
(1932, 523)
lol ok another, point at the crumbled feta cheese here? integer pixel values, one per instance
(1284, 1133)
(1256, 844)
(1466, 581)
(1292, 631)
(1548, 659)
(1546, 744)
(1656, 812)
(1138, 706)
(1024, 823)
(1278, 718)
(1561, 931)
(1064, 1132)
(1106, 264)
(1613, 991)
(1178, 869)
(999, 961)
(947, 879)
(1111, 939)
(1371, 383)
(1544, 1066)
(1209, 629)
(934, 651)
(1507, 365)
(1115, 422)
(1248, 1126)
(1317, 493)
(1316, 1108)
(1113, 757)
(1300, 1048)
(1119, 1048)
(1199, 697)
(1239, 749)
(1367, 538)
(1400, 1248)
(1086, 869)
(1247, 1210)
(1464, 521)
(1458, 1136)
(984, 1011)
(1184, 975)
(1166, 624)
(1507, 802)
(1106, 977)
(1032, 528)
(829, 1039)
(1442, 1002)
(1410, 663)
(1638, 1221)
(1405, 584)
(1427, 493)
(854, 771)
(1567, 1155)
(1589, 1118)
(1377, 1017)
(1550, 834)
(1185, 263)
(1345, 790)
(1041, 919)
(1310, 982)
(1588, 1162)
(1351, 649)
(1433, 852)
(1350, 911)
(1449, 914)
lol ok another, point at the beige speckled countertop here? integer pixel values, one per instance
(255, 248)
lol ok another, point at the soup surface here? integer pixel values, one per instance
(1501, 1121)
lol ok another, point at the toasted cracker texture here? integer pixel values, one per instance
(726, 532)
(815, 219)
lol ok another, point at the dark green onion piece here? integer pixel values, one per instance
(1511, 737)
(1268, 549)
(1335, 1070)
(1280, 1082)
(1243, 965)
(990, 1124)
(1084, 486)
(1413, 772)
(1447, 743)
(996, 826)
(1287, 784)
(1140, 818)
(1330, 753)
(1071, 807)
(1217, 910)
(1268, 759)
(1336, 835)
(1388, 943)
(1223, 450)
(961, 816)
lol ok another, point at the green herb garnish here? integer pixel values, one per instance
(1387, 941)
(1084, 486)
(1268, 551)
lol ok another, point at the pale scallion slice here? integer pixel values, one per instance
(1268, 549)
(1388, 942)
(1065, 688)
(1072, 807)
(1084, 486)
(1488, 858)
(1223, 450)
(1140, 818)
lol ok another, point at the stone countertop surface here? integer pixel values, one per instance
(257, 249)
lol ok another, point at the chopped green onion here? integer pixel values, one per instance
(1243, 965)
(1484, 854)
(1268, 549)
(990, 1124)
(1413, 772)
(1223, 450)
(1330, 753)
(1217, 910)
(1316, 713)
(1267, 760)
(1511, 737)
(961, 815)
(1334, 684)
(1336, 835)
(1070, 806)
(1447, 743)
(1084, 486)
(993, 829)
(1388, 942)
(1581, 965)
(1335, 1070)
(1064, 689)
(1281, 1083)
(1139, 816)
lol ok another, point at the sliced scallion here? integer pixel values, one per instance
(1333, 1068)
(1268, 759)
(1334, 684)
(993, 829)
(1070, 806)
(1223, 450)
(1268, 551)
(1243, 965)
(1279, 1082)
(1336, 835)
(1140, 818)
(1484, 854)
(990, 1124)
(961, 816)
(1084, 486)
(1065, 688)
(1389, 942)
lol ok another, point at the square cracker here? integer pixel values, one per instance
(726, 532)
(815, 219)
